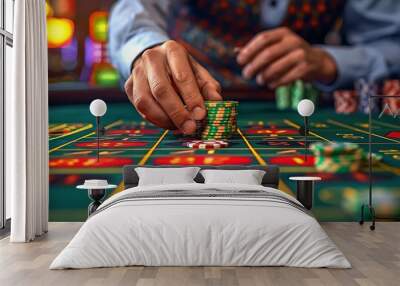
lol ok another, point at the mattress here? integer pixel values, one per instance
(201, 225)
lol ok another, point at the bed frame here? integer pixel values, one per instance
(270, 179)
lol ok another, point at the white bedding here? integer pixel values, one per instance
(188, 231)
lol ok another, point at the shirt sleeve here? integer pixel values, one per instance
(136, 25)
(372, 31)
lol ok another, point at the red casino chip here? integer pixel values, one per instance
(111, 144)
(207, 144)
(346, 101)
(89, 162)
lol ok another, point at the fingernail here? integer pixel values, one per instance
(246, 73)
(188, 127)
(260, 79)
(198, 113)
(240, 59)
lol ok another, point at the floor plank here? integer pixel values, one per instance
(375, 257)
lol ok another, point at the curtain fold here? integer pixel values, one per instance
(27, 124)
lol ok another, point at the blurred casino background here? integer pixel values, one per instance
(79, 66)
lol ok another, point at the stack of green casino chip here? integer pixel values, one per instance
(298, 93)
(337, 157)
(289, 96)
(220, 122)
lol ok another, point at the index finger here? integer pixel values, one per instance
(185, 80)
(164, 93)
(261, 40)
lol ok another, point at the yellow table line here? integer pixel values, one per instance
(57, 126)
(114, 124)
(290, 123)
(282, 185)
(252, 150)
(84, 136)
(66, 144)
(150, 152)
(359, 130)
(73, 132)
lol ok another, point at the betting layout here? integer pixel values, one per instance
(264, 136)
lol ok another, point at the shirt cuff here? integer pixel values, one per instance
(352, 64)
(135, 47)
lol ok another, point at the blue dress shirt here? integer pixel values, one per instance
(371, 28)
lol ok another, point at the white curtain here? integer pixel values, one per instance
(27, 124)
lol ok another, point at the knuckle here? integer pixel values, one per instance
(171, 45)
(176, 116)
(217, 86)
(136, 71)
(264, 36)
(159, 90)
(141, 104)
(148, 54)
(127, 85)
(300, 54)
(192, 99)
(183, 77)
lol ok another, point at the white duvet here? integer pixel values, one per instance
(190, 231)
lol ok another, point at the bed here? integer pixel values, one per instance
(198, 224)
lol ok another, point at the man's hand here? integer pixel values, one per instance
(168, 87)
(279, 57)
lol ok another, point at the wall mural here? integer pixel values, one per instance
(80, 70)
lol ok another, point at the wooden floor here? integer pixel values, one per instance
(375, 257)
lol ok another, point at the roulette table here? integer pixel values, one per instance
(265, 136)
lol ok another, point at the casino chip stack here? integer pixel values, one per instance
(289, 96)
(218, 126)
(220, 122)
(391, 105)
(337, 157)
(365, 90)
(346, 101)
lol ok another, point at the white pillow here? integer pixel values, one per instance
(248, 177)
(166, 176)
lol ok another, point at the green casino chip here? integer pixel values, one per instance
(282, 97)
(297, 92)
(337, 148)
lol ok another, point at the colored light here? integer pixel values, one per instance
(107, 77)
(59, 32)
(103, 74)
(98, 26)
(65, 8)
(69, 55)
(49, 10)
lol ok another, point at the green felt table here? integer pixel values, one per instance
(265, 136)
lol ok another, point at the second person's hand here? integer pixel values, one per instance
(278, 57)
(168, 87)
